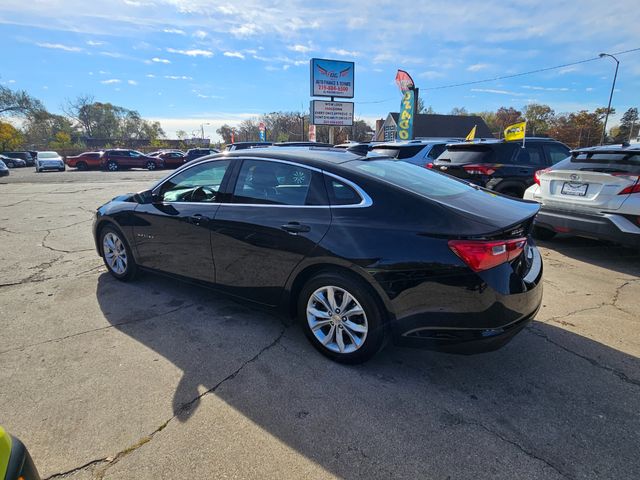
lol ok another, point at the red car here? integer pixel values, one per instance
(172, 159)
(116, 159)
(85, 161)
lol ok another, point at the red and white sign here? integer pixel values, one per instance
(312, 133)
(338, 114)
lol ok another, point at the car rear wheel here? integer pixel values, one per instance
(341, 317)
(116, 254)
(81, 166)
(151, 165)
(112, 166)
(543, 233)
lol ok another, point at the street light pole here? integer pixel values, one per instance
(202, 130)
(613, 86)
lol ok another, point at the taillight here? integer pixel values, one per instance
(635, 188)
(485, 254)
(479, 169)
(536, 176)
(428, 165)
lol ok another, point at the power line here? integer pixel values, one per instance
(503, 77)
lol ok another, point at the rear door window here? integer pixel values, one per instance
(556, 153)
(340, 193)
(530, 155)
(436, 150)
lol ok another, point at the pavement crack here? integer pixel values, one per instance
(514, 443)
(93, 330)
(97, 461)
(621, 375)
(111, 461)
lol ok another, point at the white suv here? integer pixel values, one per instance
(594, 193)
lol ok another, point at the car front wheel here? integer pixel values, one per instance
(116, 254)
(341, 317)
(112, 166)
(151, 165)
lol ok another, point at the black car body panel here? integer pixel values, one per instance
(394, 239)
(27, 157)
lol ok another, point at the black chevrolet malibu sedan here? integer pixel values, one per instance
(360, 249)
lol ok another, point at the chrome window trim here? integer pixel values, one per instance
(365, 202)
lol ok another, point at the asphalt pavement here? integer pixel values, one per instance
(161, 379)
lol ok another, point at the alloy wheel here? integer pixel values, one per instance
(151, 166)
(337, 319)
(115, 253)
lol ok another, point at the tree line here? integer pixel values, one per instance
(576, 129)
(84, 119)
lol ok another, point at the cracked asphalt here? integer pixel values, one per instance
(159, 379)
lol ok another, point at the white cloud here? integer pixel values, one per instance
(112, 54)
(245, 30)
(234, 55)
(589, 89)
(430, 74)
(177, 31)
(200, 34)
(59, 46)
(94, 43)
(344, 53)
(111, 81)
(160, 60)
(192, 53)
(299, 48)
(497, 92)
(132, 82)
(285, 67)
(178, 77)
(546, 89)
(150, 75)
(476, 67)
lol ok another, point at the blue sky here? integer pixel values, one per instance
(187, 62)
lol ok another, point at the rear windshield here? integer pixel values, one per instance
(411, 177)
(497, 153)
(608, 162)
(47, 155)
(399, 152)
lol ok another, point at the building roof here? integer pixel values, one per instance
(448, 126)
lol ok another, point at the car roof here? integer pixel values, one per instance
(618, 148)
(312, 156)
(408, 143)
(502, 141)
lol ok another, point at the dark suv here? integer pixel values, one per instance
(26, 156)
(505, 167)
(199, 152)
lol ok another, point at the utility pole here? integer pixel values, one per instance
(613, 86)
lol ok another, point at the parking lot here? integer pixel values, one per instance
(160, 379)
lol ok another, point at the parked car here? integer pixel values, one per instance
(303, 144)
(417, 152)
(172, 159)
(506, 167)
(15, 461)
(49, 161)
(158, 152)
(194, 153)
(13, 162)
(361, 249)
(4, 170)
(594, 193)
(359, 148)
(85, 161)
(244, 145)
(26, 156)
(117, 158)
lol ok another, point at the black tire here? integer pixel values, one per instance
(82, 166)
(151, 165)
(131, 268)
(543, 233)
(373, 312)
(112, 166)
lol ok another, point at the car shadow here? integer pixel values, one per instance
(551, 403)
(600, 253)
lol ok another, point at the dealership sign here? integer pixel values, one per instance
(337, 114)
(332, 78)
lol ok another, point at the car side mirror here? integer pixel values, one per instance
(148, 197)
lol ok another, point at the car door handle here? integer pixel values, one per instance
(294, 228)
(197, 219)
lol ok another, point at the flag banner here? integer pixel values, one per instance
(472, 135)
(515, 131)
(404, 81)
(263, 132)
(405, 118)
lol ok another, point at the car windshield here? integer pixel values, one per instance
(412, 177)
(47, 155)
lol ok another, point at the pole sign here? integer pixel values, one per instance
(405, 118)
(337, 114)
(262, 129)
(332, 78)
(312, 132)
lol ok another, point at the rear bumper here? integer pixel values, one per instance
(478, 315)
(612, 227)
